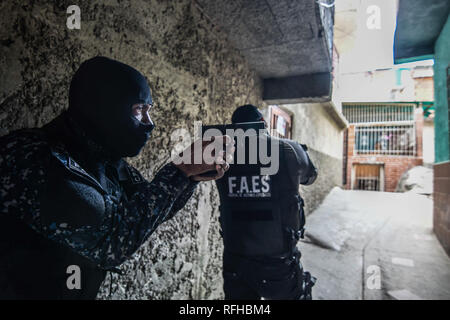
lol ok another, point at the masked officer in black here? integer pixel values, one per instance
(69, 202)
(262, 219)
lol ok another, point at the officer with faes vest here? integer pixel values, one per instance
(262, 219)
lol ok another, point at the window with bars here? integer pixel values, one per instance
(369, 113)
(385, 140)
(367, 177)
(382, 128)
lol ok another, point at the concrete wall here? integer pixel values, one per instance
(194, 75)
(313, 126)
(412, 83)
(376, 86)
(424, 89)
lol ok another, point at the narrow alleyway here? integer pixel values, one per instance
(375, 245)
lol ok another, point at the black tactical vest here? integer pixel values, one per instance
(33, 267)
(260, 215)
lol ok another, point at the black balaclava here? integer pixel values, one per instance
(246, 113)
(101, 96)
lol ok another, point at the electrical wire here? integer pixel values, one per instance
(326, 5)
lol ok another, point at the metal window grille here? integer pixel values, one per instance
(375, 113)
(397, 139)
(367, 177)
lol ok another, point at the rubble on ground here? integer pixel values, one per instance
(417, 180)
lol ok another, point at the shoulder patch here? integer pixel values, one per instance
(75, 166)
(135, 176)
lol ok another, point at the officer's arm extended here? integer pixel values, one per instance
(123, 227)
(299, 161)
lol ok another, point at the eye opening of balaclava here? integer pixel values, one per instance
(102, 93)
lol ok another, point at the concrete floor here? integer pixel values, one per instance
(375, 245)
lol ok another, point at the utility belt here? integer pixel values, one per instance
(257, 228)
(287, 257)
(294, 236)
(290, 259)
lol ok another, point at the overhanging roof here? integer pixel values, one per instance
(288, 43)
(419, 23)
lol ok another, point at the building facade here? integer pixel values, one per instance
(382, 142)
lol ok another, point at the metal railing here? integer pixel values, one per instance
(367, 183)
(367, 177)
(376, 113)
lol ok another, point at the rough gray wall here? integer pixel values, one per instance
(194, 75)
(327, 17)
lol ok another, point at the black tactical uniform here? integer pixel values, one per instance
(67, 197)
(262, 219)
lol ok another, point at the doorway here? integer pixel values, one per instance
(368, 177)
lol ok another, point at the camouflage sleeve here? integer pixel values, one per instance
(125, 225)
(182, 199)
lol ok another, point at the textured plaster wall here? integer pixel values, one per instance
(314, 127)
(441, 186)
(441, 94)
(330, 176)
(194, 75)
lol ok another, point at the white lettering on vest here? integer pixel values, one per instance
(231, 184)
(244, 185)
(265, 184)
(249, 186)
(255, 184)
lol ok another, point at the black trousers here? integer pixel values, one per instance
(272, 279)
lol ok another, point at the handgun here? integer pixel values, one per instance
(230, 129)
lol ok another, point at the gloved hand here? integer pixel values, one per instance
(212, 166)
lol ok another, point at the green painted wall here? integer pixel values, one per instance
(441, 120)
